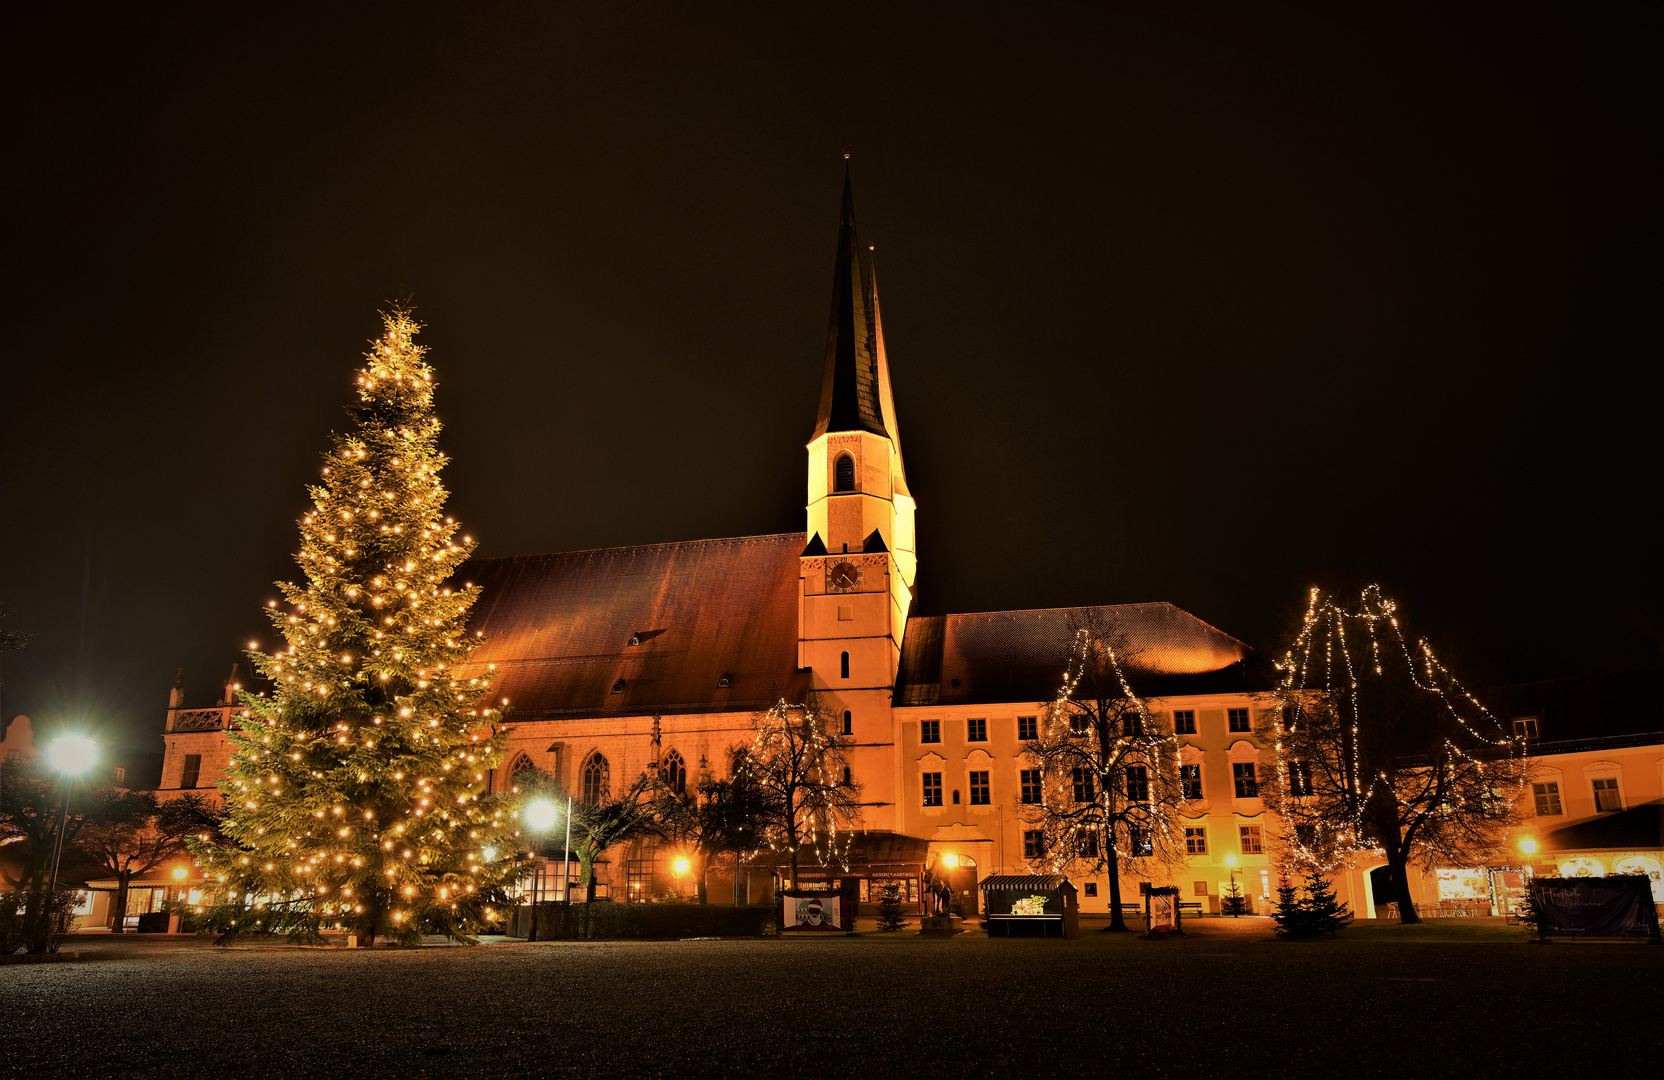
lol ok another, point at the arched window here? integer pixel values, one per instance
(843, 473)
(849, 779)
(849, 721)
(520, 764)
(595, 779)
(844, 666)
(674, 772)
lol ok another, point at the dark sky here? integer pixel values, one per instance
(1198, 305)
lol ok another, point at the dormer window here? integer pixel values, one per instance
(1525, 727)
(618, 687)
(635, 639)
(843, 473)
(725, 681)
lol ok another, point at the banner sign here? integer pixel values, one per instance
(1618, 906)
(825, 912)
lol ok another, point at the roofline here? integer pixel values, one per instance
(1087, 607)
(640, 547)
(1594, 742)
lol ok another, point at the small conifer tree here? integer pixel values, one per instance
(1232, 902)
(1288, 913)
(356, 792)
(889, 908)
(1323, 913)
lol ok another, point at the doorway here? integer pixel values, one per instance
(967, 898)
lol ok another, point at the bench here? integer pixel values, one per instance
(1186, 906)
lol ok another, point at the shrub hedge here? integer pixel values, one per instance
(603, 921)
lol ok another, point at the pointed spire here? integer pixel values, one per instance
(849, 389)
(886, 397)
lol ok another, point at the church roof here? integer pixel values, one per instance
(668, 621)
(850, 389)
(1019, 656)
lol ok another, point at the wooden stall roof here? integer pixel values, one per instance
(1030, 882)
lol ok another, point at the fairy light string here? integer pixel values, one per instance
(358, 791)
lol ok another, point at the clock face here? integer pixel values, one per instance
(843, 577)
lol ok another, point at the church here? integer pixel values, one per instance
(619, 660)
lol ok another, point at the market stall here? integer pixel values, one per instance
(1030, 905)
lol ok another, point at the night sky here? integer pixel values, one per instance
(1205, 305)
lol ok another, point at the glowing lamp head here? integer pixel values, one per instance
(681, 864)
(950, 861)
(1529, 846)
(1230, 860)
(541, 815)
(179, 873)
(72, 755)
(489, 853)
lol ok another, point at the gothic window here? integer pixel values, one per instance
(843, 473)
(843, 666)
(674, 772)
(849, 723)
(595, 778)
(517, 766)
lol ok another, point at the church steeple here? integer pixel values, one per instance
(850, 381)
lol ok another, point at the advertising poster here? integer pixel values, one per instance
(814, 912)
(1164, 912)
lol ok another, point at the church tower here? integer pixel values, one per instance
(859, 567)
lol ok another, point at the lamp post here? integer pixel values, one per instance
(70, 755)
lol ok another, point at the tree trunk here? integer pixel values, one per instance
(1112, 864)
(700, 880)
(1398, 862)
(586, 872)
(118, 907)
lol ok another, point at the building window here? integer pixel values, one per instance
(1190, 777)
(1034, 844)
(595, 778)
(1606, 795)
(930, 731)
(849, 723)
(1525, 728)
(1091, 888)
(1251, 844)
(1080, 723)
(1238, 720)
(1028, 727)
(932, 788)
(121, 775)
(979, 789)
(1138, 783)
(193, 771)
(1199, 887)
(1184, 721)
(976, 730)
(1247, 784)
(843, 473)
(1299, 778)
(849, 778)
(843, 666)
(1088, 846)
(1548, 798)
(618, 687)
(1132, 724)
(1196, 841)
(674, 772)
(1138, 838)
(1086, 790)
(1030, 785)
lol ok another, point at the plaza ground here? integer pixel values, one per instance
(1446, 999)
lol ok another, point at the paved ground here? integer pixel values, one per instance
(1226, 1001)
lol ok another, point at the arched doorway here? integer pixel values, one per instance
(1383, 889)
(961, 879)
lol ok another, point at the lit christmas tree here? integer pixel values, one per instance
(355, 793)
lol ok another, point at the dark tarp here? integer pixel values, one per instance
(1619, 906)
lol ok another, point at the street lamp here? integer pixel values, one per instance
(541, 815)
(70, 755)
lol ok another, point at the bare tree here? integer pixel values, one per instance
(1379, 747)
(796, 761)
(1111, 796)
(720, 817)
(142, 839)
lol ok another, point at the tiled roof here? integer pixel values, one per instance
(1019, 656)
(559, 627)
